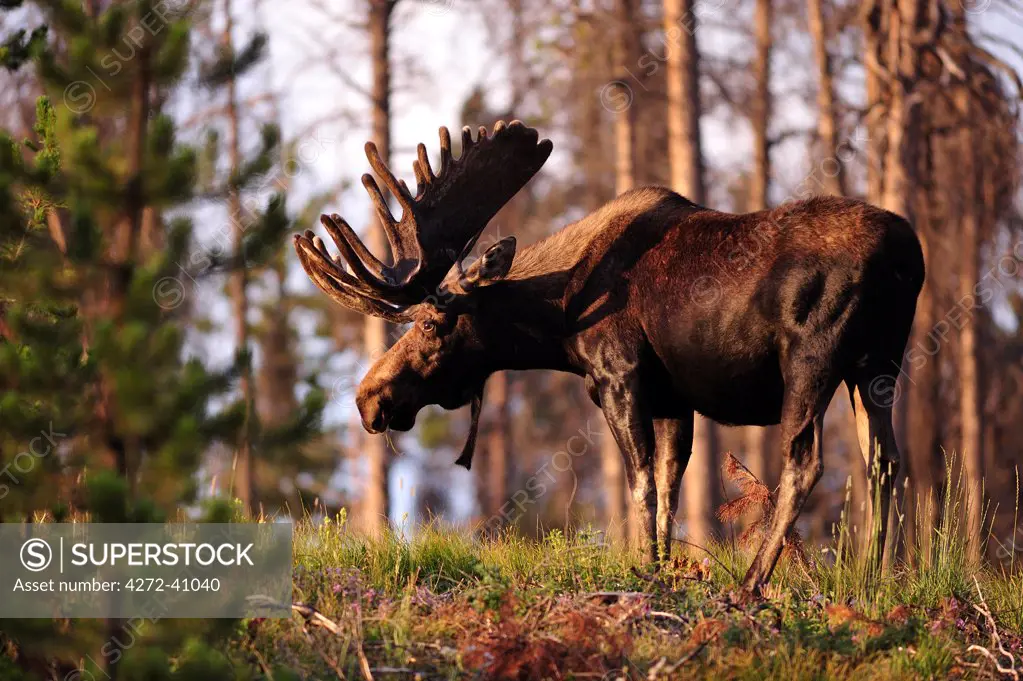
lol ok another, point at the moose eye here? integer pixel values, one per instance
(429, 326)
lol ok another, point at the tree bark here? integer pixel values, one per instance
(242, 478)
(896, 31)
(761, 113)
(877, 104)
(612, 465)
(756, 438)
(377, 451)
(497, 444)
(685, 150)
(832, 168)
(832, 171)
(625, 133)
(895, 194)
(920, 409)
(701, 482)
(971, 449)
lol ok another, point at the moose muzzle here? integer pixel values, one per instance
(379, 410)
(375, 408)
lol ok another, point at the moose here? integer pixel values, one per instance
(665, 308)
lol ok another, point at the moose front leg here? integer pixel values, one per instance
(633, 430)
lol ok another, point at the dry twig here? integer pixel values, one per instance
(996, 641)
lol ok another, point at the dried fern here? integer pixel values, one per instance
(755, 498)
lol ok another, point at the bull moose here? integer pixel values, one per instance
(665, 307)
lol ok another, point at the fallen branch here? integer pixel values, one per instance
(313, 616)
(996, 640)
(609, 597)
(317, 618)
(659, 614)
(663, 668)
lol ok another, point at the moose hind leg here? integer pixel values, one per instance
(674, 441)
(872, 402)
(802, 425)
(804, 465)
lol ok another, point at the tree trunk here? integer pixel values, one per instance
(701, 482)
(920, 409)
(761, 111)
(832, 168)
(126, 453)
(685, 150)
(971, 449)
(876, 100)
(377, 451)
(756, 438)
(242, 478)
(625, 161)
(612, 465)
(895, 195)
(496, 466)
(894, 29)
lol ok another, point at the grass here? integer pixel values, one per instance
(446, 604)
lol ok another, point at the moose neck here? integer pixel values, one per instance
(525, 327)
(527, 320)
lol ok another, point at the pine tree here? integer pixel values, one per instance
(255, 240)
(104, 415)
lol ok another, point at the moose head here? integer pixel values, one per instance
(443, 356)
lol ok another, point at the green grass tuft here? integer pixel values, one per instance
(447, 603)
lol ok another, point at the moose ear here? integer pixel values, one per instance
(494, 264)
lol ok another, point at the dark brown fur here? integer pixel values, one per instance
(667, 309)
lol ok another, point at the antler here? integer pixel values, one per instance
(438, 226)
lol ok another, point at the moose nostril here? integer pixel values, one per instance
(380, 418)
